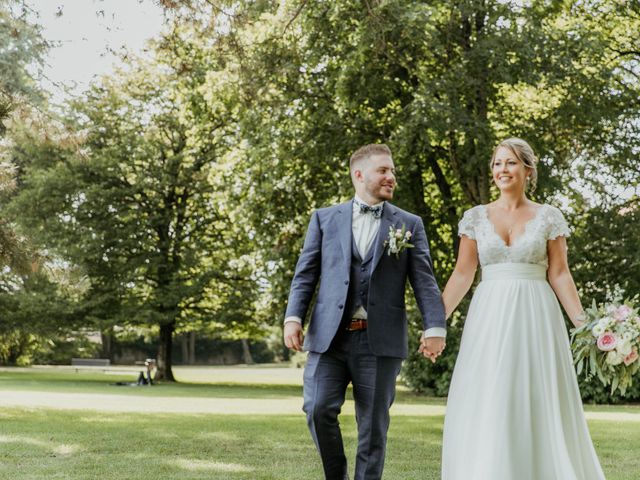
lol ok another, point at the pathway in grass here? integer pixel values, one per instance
(222, 406)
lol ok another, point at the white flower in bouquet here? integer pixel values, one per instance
(624, 348)
(598, 330)
(606, 322)
(614, 358)
(628, 336)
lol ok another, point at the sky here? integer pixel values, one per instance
(85, 32)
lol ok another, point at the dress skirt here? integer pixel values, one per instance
(514, 410)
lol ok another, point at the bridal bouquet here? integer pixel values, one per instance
(607, 344)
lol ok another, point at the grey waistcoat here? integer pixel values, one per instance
(359, 276)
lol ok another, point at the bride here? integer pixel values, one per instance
(514, 410)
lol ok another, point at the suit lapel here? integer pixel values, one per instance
(343, 218)
(388, 219)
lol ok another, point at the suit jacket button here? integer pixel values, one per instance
(372, 304)
(341, 306)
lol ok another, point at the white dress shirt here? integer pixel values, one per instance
(365, 230)
(364, 226)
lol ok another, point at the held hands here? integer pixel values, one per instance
(293, 336)
(431, 347)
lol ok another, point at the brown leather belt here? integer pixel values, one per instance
(357, 324)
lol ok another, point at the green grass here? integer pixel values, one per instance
(46, 444)
(78, 445)
(83, 382)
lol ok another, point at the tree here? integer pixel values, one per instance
(21, 51)
(130, 191)
(440, 82)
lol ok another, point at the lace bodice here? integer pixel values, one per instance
(548, 223)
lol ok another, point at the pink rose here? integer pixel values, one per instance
(632, 357)
(607, 342)
(622, 313)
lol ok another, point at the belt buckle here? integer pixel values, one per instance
(357, 324)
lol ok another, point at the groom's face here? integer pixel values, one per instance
(377, 178)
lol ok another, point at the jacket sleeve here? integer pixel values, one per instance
(423, 280)
(307, 271)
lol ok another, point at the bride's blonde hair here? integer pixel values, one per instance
(523, 152)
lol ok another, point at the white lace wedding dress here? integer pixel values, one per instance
(514, 410)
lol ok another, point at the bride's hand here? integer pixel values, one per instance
(579, 320)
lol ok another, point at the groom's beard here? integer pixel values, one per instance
(382, 193)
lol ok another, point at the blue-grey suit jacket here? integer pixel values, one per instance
(326, 259)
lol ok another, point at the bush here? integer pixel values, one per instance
(593, 391)
(60, 351)
(23, 349)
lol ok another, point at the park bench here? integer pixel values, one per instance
(101, 365)
(80, 363)
(90, 362)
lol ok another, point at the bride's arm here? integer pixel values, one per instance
(462, 277)
(561, 280)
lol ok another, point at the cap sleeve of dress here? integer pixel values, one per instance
(466, 225)
(557, 225)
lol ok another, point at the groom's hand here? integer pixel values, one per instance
(293, 336)
(432, 347)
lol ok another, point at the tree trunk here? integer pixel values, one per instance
(164, 371)
(192, 348)
(105, 337)
(246, 352)
(184, 347)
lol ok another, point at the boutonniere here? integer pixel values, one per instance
(398, 240)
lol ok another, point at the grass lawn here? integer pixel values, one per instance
(48, 443)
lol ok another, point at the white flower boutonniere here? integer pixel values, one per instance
(398, 240)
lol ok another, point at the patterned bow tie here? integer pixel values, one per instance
(375, 211)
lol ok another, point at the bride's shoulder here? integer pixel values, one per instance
(550, 210)
(554, 222)
(473, 215)
(474, 211)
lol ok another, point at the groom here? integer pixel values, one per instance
(357, 331)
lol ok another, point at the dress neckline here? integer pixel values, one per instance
(524, 230)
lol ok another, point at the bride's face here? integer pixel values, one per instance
(509, 173)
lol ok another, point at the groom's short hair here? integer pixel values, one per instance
(367, 151)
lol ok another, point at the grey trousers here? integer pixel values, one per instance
(326, 377)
